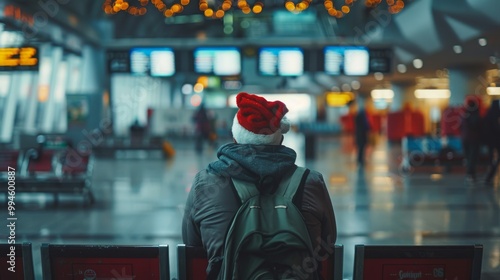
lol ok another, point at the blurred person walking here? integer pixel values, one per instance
(202, 127)
(492, 138)
(470, 128)
(362, 130)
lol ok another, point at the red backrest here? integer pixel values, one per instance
(65, 262)
(43, 163)
(347, 122)
(372, 262)
(395, 126)
(192, 263)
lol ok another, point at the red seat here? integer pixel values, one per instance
(372, 262)
(23, 262)
(61, 262)
(192, 263)
(43, 163)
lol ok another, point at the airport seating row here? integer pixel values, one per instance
(435, 151)
(53, 171)
(371, 262)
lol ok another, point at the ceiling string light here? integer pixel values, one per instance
(344, 10)
(113, 7)
(215, 13)
(294, 6)
(394, 6)
(246, 8)
(297, 8)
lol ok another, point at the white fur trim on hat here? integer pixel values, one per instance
(244, 136)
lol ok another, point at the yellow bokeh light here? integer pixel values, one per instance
(290, 6)
(209, 12)
(242, 4)
(203, 6)
(219, 14)
(176, 8)
(168, 13)
(257, 9)
(198, 87)
(43, 93)
(226, 5)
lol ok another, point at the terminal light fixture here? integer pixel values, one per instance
(494, 90)
(432, 93)
(382, 94)
(418, 63)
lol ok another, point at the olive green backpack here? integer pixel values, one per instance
(268, 238)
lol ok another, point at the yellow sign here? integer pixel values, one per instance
(339, 99)
(25, 57)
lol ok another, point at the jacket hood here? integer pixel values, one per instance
(261, 164)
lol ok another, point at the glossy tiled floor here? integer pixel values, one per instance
(140, 200)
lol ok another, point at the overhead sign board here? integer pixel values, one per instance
(19, 59)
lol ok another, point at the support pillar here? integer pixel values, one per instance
(465, 81)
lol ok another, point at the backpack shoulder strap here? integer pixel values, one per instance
(245, 189)
(289, 185)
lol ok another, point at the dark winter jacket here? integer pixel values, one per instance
(213, 202)
(362, 128)
(471, 126)
(491, 126)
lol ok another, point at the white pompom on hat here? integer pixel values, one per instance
(259, 121)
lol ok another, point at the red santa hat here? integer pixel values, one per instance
(259, 121)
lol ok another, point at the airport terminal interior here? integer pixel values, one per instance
(98, 145)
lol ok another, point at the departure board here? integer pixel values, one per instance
(281, 61)
(219, 61)
(156, 62)
(118, 61)
(19, 59)
(380, 60)
(346, 60)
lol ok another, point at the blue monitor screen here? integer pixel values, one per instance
(219, 61)
(157, 62)
(281, 61)
(346, 60)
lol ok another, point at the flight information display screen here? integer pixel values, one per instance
(156, 62)
(219, 61)
(281, 61)
(380, 60)
(346, 60)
